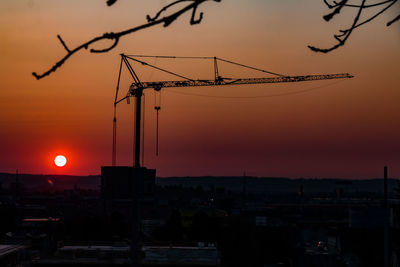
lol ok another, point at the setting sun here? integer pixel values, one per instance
(60, 161)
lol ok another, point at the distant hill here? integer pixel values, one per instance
(34, 182)
(281, 184)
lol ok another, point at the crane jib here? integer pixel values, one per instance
(193, 83)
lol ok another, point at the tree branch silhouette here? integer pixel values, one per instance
(337, 7)
(115, 36)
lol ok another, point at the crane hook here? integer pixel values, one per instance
(157, 108)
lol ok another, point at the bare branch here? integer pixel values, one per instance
(357, 6)
(108, 36)
(193, 20)
(151, 19)
(345, 34)
(376, 15)
(393, 20)
(166, 20)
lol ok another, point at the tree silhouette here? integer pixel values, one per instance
(337, 7)
(192, 5)
(115, 36)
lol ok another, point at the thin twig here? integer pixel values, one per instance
(336, 4)
(336, 11)
(393, 20)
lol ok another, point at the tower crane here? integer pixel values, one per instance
(137, 87)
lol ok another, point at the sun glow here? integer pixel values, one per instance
(60, 161)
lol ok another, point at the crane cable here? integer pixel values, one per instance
(157, 107)
(249, 67)
(143, 114)
(189, 57)
(134, 131)
(170, 57)
(114, 144)
(161, 69)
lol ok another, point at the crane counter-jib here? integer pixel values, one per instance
(194, 83)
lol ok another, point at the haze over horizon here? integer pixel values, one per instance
(345, 128)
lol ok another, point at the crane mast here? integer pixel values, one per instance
(137, 87)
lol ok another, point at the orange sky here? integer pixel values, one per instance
(346, 129)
